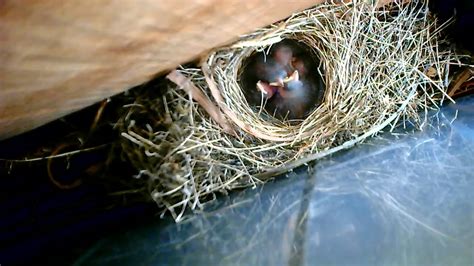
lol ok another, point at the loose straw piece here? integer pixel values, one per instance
(214, 112)
(463, 77)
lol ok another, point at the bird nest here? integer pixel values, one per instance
(382, 66)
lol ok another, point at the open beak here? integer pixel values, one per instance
(281, 82)
(267, 89)
(294, 77)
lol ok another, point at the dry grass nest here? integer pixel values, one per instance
(382, 66)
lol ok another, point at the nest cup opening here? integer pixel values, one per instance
(225, 71)
(283, 80)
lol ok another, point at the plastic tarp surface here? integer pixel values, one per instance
(405, 199)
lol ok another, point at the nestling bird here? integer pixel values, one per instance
(286, 80)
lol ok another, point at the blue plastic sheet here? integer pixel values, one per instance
(405, 199)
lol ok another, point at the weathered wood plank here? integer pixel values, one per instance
(59, 56)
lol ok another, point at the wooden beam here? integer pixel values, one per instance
(57, 57)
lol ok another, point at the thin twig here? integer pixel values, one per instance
(57, 155)
(181, 80)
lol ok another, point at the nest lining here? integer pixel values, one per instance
(381, 67)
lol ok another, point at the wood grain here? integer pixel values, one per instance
(60, 56)
(57, 57)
